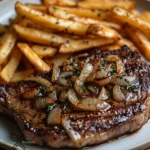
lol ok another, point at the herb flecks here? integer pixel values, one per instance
(50, 107)
(112, 71)
(83, 89)
(126, 80)
(64, 105)
(104, 64)
(132, 89)
(75, 67)
(120, 77)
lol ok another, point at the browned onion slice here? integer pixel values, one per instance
(104, 81)
(45, 83)
(88, 104)
(124, 80)
(117, 94)
(79, 84)
(63, 78)
(103, 95)
(87, 69)
(63, 96)
(54, 117)
(41, 103)
(56, 73)
(119, 64)
(73, 97)
(103, 73)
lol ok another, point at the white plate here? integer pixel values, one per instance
(139, 140)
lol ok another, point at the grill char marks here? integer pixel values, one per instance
(89, 127)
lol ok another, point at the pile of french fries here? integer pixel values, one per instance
(43, 34)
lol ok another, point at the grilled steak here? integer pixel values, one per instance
(93, 97)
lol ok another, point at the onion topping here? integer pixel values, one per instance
(117, 94)
(103, 95)
(103, 73)
(47, 84)
(104, 81)
(54, 117)
(56, 73)
(88, 104)
(79, 84)
(41, 103)
(118, 61)
(63, 78)
(124, 80)
(108, 72)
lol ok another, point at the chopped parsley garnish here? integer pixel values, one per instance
(104, 64)
(65, 104)
(65, 77)
(50, 107)
(120, 77)
(75, 67)
(43, 91)
(127, 80)
(112, 71)
(132, 88)
(83, 89)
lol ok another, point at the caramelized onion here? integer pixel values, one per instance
(118, 61)
(86, 71)
(103, 95)
(54, 117)
(124, 80)
(41, 103)
(47, 84)
(56, 73)
(88, 104)
(117, 94)
(63, 78)
(93, 104)
(103, 73)
(104, 81)
(63, 96)
(73, 97)
(79, 84)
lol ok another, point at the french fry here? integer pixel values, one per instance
(142, 42)
(66, 26)
(60, 13)
(10, 68)
(82, 12)
(120, 43)
(38, 7)
(110, 47)
(49, 2)
(21, 75)
(37, 62)
(29, 23)
(100, 4)
(44, 51)
(126, 17)
(107, 4)
(7, 45)
(146, 16)
(40, 37)
(80, 45)
(60, 2)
